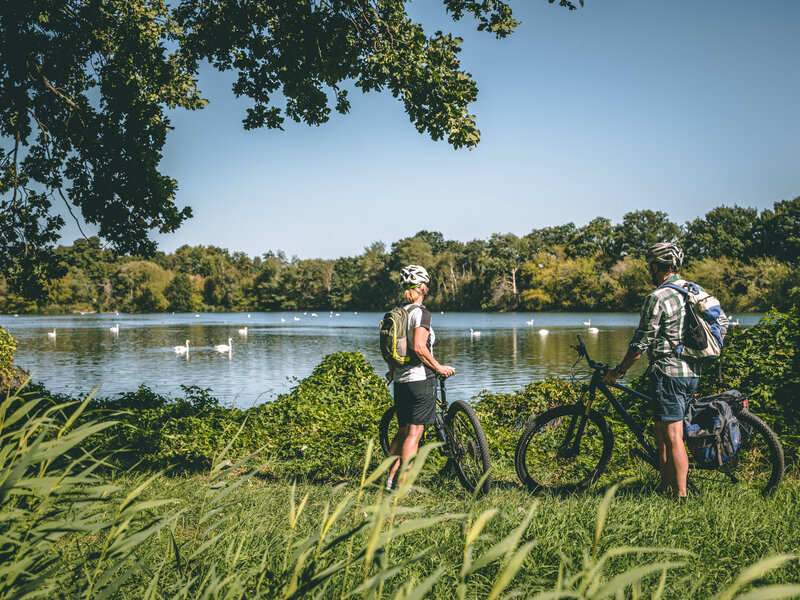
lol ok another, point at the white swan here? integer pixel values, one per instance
(182, 349)
(297, 318)
(243, 331)
(589, 322)
(544, 331)
(283, 320)
(475, 333)
(731, 322)
(114, 329)
(248, 315)
(593, 330)
(52, 334)
(314, 315)
(225, 347)
(338, 315)
(529, 323)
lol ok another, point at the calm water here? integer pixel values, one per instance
(279, 347)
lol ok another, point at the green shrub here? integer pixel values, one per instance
(323, 425)
(8, 345)
(763, 361)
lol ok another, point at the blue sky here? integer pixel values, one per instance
(622, 105)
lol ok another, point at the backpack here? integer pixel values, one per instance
(711, 430)
(395, 347)
(702, 331)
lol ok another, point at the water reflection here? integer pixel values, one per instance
(86, 353)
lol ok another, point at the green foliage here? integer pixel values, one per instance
(323, 425)
(763, 362)
(8, 346)
(503, 416)
(592, 268)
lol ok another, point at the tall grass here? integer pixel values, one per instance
(68, 529)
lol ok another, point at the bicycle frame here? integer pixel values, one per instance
(648, 451)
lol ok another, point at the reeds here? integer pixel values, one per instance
(68, 532)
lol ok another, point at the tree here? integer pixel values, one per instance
(641, 229)
(778, 231)
(84, 87)
(180, 293)
(724, 232)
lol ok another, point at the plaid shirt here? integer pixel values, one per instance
(662, 320)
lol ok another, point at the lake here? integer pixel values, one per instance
(281, 346)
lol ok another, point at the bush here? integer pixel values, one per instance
(8, 345)
(320, 428)
(763, 361)
(323, 425)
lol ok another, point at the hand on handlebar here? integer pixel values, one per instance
(446, 371)
(611, 376)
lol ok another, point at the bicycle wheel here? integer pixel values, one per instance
(469, 448)
(758, 461)
(562, 450)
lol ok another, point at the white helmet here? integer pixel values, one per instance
(414, 275)
(665, 253)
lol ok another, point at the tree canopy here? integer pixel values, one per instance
(84, 86)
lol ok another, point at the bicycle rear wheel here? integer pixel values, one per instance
(564, 449)
(469, 448)
(758, 461)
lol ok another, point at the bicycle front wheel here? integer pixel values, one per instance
(469, 448)
(758, 461)
(564, 449)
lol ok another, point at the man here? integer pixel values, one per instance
(673, 379)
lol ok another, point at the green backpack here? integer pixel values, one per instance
(395, 347)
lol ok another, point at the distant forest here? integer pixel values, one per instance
(749, 259)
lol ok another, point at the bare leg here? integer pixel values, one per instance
(409, 449)
(396, 449)
(673, 462)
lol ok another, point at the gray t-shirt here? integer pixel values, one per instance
(418, 317)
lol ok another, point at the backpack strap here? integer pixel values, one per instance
(677, 349)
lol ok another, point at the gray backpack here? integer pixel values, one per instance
(711, 430)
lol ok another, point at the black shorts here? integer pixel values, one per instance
(415, 402)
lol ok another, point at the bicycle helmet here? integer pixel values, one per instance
(414, 275)
(665, 253)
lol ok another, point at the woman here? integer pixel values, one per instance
(414, 386)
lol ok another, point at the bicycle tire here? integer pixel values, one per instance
(469, 448)
(384, 435)
(543, 464)
(758, 462)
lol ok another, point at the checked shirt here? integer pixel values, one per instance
(661, 322)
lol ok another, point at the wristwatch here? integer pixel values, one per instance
(620, 370)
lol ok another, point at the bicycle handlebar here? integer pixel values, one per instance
(583, 352)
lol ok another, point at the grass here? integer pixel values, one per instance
(72, 527)
(695, 550)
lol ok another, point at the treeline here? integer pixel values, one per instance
(749, 259)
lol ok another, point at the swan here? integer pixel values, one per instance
(52, 334)
(197, 315)
(355, 313)
(114, 329)
(589, 322)
(338, 315)
(297, 318)
(529, 323)
(182, 349)
(593, 330)
(248, 315)
(283, 320)
(243, 331)
(225, 347)
(544, 331)
(732, 322)
(475, 333)
(314, 315)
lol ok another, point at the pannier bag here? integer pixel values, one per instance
(702, 332)
(711, 430)
(395, 347)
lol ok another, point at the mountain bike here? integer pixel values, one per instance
(464, 448)
(567, 448)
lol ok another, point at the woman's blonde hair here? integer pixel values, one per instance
(413, 295)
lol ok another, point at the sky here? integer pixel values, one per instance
(621, 105)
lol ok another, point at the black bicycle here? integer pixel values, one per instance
(464, 444)
(567, 448)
